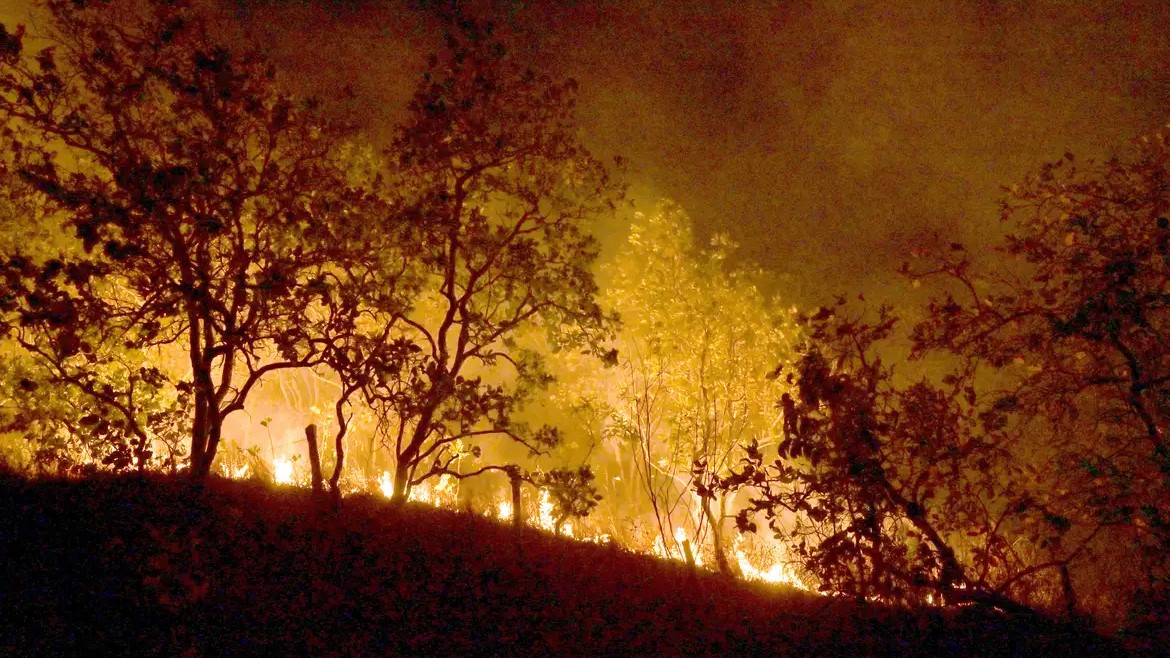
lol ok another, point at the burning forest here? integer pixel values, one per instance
(219, 287)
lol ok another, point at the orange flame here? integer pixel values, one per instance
(444, 493)
(282, 470)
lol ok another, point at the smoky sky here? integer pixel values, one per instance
(827, 138)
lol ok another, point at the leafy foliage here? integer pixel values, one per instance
(696, 342)
(887, 491)
(205, 204)
(1035, 474)
(572, 491)
(499, 194)
(1074, 331)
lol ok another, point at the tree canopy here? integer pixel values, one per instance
(1072, 333)
(1033, 475)
(218, 221)
(499, 194)
(696, 343)
(206, 204)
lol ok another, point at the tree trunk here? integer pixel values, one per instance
(206, 426)
(197, 469)
(338, 465)
(373, 446)
(142, 450)
(200, 466)
(201, 458)
(214, 433)
(517, 508)
(1070, 597)
(401, 480)
(724, 565)
(204, 444)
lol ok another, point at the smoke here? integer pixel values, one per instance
(826, 137)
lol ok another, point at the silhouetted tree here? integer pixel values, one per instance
(885, 490)
(499, 194)
(208, 207)
(1035, 474)
(571, 492)
(63, 414)
(1072, 330)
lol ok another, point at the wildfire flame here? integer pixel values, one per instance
(441, 494)
(504, 511)
(386, 484)
(676, 550)
(444, 493)
(282, 470)
(545, 518)
(778, 573)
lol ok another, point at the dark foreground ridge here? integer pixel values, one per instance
(156, 566)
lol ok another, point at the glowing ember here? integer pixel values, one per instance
(282, 470)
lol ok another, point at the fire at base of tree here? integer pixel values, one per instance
(185, 248)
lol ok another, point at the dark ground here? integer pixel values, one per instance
(132, 566)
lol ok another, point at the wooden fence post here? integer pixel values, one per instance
(314, 460)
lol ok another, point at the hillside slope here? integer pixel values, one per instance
(160, 566)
